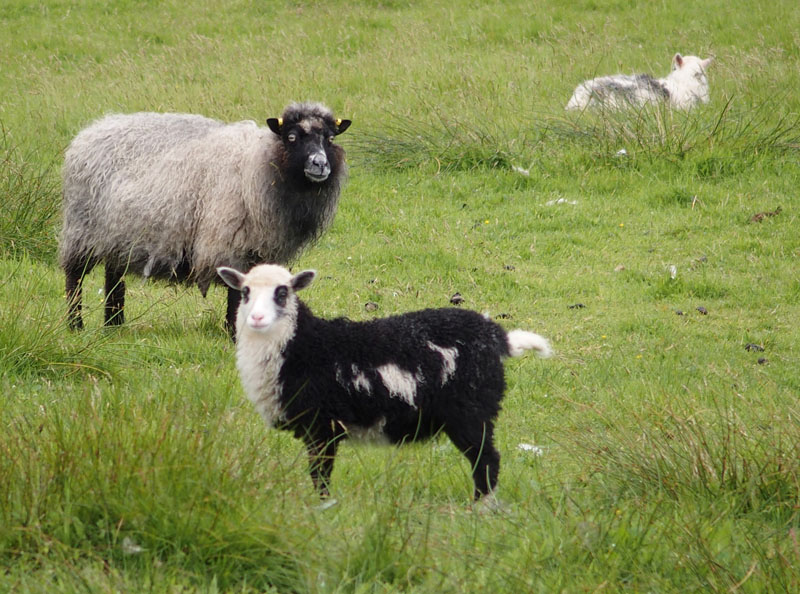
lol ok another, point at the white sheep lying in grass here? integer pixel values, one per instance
(396, 379)
(174, 196)
(682, 88)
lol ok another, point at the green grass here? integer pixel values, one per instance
(129, 458)
(28, 185)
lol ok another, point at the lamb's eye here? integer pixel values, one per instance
(245, 294)
(330, 139)
(281, 293)
(291, 137)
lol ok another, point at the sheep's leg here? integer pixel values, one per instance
(321, 453)
(115, 295)
(477, 444)
(74, 286)
(234, 297)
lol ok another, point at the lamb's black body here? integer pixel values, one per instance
(321, 402)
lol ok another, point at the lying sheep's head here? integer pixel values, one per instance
(307, 131)
(690, 84)
(268, 302)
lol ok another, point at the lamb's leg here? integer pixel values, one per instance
(321, 453)
(234, 297)
(477, 444)
(74, 285)
(115, 295)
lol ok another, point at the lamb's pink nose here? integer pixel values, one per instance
(256, 318)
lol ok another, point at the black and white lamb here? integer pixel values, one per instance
(395, 379)
(174, 196)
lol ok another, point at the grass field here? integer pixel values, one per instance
(667, 453)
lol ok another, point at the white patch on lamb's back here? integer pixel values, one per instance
(340, 377)
(449, 356)
(400, 383)
(360, 381)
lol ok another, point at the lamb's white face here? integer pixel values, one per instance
(263, 305)
(689, 73)
(268, 304)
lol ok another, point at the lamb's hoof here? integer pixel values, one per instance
(327, 504)
(490, 504)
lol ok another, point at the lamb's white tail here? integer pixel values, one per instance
(520, 341)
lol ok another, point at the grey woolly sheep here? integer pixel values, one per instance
(174, 196)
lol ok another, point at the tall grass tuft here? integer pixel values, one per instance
(30, 200)
(173, 494)
(710, 143)
(709, 453)
(721, 142)
(444, 143)
(35, 342)
(382, 554)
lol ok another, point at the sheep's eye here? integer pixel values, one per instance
(281, 293)
(330, 139)
(291, 137)
(245, 294)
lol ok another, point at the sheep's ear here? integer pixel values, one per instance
(232, 277)
(275, 125)
(342, 125)
(677, 62)
(707, 62)
(302, 279)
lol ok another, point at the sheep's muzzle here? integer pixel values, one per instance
(317, 167)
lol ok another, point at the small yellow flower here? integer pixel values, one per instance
(638, 356)
(622, 224)
(486, 222)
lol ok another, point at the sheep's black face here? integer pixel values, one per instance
(308, 140)
(317, 164)
(308, 144)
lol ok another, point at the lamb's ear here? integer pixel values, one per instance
(302, 279)
(707, 62)
(275, 125)
(677, 62)
(232, 277)
(342, 125)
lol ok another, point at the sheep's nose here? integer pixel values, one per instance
(317, 167)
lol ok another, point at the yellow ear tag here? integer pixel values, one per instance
(338, 122)
(280, 121)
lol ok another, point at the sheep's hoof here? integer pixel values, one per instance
(327, 504)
